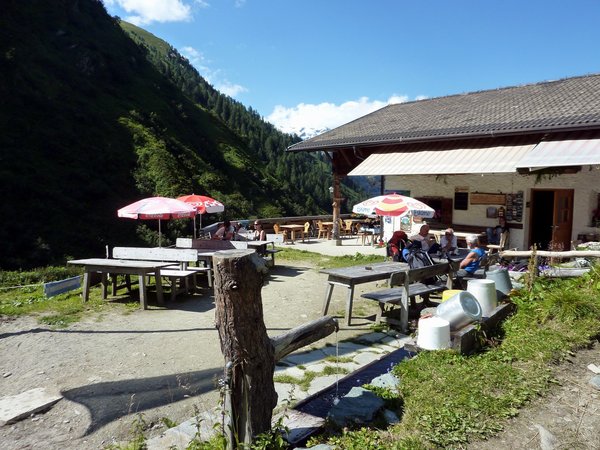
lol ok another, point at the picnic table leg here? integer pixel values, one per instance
(404, 309)
(328, 293)
(104, 283)
(113, 279)
(159, 290)
(210, 274)
(86, 286)
(143, 291)
(349, 304)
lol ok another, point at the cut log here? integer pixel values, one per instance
(245, 344)
(298, 337)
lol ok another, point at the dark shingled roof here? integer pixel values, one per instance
(569, 104)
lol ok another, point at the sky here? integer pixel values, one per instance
(317, 64)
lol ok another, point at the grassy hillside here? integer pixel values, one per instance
(88, 125)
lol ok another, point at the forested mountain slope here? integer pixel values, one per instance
(88, 125)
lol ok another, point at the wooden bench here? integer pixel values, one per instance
(178, 274)
(215, 245)
(411, 282)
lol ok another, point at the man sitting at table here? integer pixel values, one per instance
(428, 244)
(448, 242)
(226, 232)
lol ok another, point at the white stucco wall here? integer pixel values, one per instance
(586, 185)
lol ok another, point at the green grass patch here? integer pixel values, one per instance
(59, 311)
(450, 400)
(325, 261)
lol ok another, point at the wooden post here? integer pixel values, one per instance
(249, 353)
(336, 209)
(245, 344)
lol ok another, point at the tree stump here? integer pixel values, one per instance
(245, 344)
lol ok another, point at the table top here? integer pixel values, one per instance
(123, 263)
(365, 273)
(460, 234)
(293, 227)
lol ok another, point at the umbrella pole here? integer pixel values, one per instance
(194, 227)
(159, 243)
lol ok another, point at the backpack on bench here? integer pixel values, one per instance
(417, 258)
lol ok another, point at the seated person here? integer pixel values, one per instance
(259, 233)
(494, 234)
(470, 264)
(428, 244)
(396, 244)
(448, 242)
(226, 232)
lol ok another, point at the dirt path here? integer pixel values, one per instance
(164, 363)
(161, 362)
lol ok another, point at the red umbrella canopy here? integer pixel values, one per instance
(203, 204)
(157, 208)
(399, 205)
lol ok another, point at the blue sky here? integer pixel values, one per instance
(317, 64)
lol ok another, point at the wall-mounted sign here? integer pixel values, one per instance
(480, 198)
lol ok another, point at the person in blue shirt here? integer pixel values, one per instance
(470, 264)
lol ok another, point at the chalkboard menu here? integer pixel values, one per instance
(514, 207)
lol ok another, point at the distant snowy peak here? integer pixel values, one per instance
(307, 132)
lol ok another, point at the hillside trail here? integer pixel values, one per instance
(116, 370)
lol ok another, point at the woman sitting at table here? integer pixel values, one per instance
(259, 233)
(470, 264)
(226, 232)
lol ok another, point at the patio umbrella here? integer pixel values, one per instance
(203, 204)
(161, 208)
(393, 205)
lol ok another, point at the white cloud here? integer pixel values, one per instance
(303, 117)
(214, 77)
(144, 12)
(230, 89)
(195, 57)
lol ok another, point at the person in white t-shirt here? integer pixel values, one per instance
(428, 244)
(226, 232)
(449, 242)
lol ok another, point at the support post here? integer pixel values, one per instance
(337, 200)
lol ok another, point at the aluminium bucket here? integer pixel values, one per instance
(460, 310)
(484, 291)
(502, 280)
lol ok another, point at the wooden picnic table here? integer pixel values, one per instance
(459, 234)
(349, 277)
(293, 228)
(105, 266)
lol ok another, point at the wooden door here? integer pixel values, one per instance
(562, 225)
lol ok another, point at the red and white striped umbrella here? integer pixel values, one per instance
(203, 204)
(393, 205)
(161, 208)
